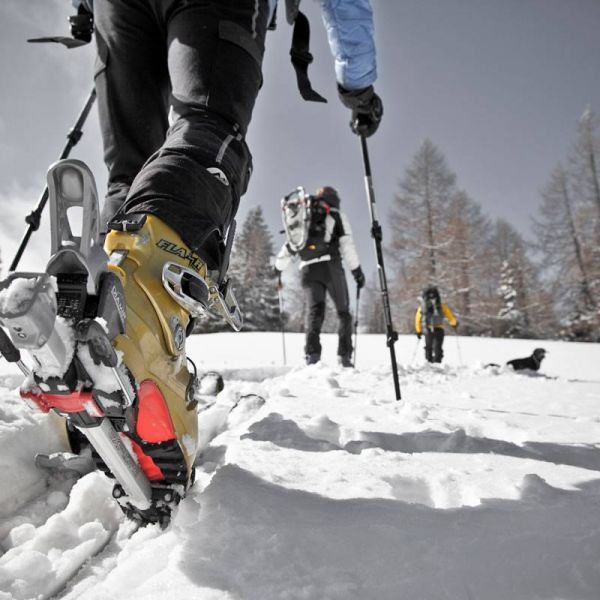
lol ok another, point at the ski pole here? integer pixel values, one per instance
(34, 218)
(414, 354)
(460, 361)
(376, 234)
(281, 317)
(11, 353)
(356, 325)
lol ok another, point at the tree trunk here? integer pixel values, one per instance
(432, 265)
(585, 286)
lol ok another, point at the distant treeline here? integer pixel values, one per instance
(498, 282)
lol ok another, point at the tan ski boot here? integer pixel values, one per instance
(146, 257)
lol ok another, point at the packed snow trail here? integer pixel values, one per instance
(482, 484)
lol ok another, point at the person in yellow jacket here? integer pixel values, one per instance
(429, 319)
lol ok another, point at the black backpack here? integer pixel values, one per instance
(316, 245)
(432, 306)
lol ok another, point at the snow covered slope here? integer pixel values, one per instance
(481, 484)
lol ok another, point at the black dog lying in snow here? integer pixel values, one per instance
(531, 363)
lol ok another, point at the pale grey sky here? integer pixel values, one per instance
(497, 85)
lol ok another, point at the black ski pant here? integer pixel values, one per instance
(176, 83)
(434, 340)
(317, 280)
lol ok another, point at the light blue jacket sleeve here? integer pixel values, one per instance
(349, 25)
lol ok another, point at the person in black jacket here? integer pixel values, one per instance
(329, 243)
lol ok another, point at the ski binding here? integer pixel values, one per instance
(66, 318)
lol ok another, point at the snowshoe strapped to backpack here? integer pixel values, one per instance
(305, 223)
(296, 218)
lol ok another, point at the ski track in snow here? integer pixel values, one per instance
(481, 484)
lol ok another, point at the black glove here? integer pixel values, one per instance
(366, 107)
(359, 277)
(82, 24)
(419, 335)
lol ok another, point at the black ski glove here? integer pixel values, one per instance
(359, 277)
(366, 107)
(419, 335)
(82, 24)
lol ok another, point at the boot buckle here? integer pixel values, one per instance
(187, 288)
(200, 297)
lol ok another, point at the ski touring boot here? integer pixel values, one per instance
(106, 329)
(345, 361)
(312, 359)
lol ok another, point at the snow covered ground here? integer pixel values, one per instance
(482, 484)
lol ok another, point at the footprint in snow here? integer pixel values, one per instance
(333, 383)
(285, 393)
(323, 428)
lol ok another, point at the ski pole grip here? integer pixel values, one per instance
(8, 349)
(74, 136)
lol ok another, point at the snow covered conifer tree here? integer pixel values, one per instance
(513, 319)
(256, 283)
(516, 304)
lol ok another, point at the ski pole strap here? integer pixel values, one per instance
(301, 58)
